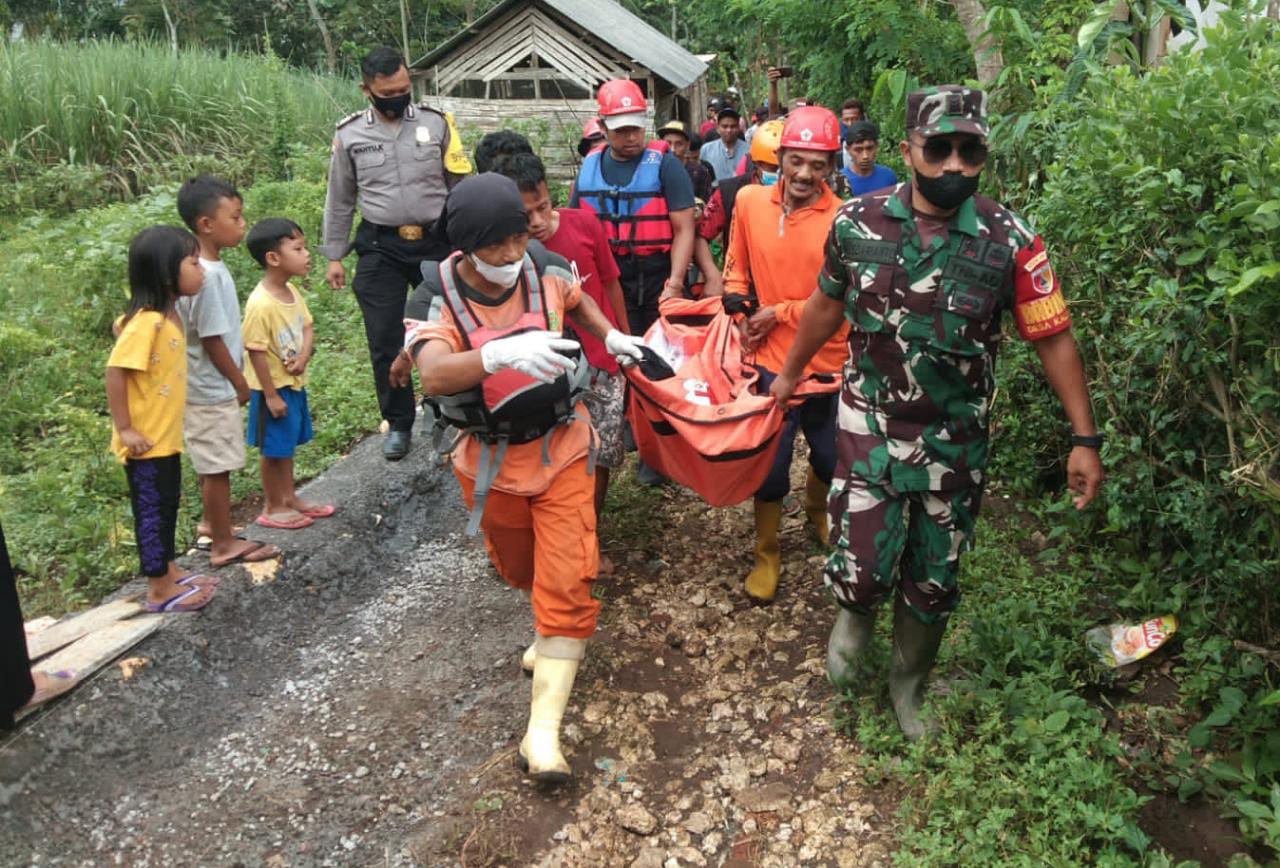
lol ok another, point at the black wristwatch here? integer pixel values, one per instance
(1092, 441)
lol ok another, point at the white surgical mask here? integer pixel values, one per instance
(502, 275)
(768, 179)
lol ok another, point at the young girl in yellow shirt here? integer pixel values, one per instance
(147, 392)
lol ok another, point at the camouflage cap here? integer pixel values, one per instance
(947, 108)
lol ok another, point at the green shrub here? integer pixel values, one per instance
(1159, 196)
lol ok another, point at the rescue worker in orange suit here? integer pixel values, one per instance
(773, 259)
(484, 331)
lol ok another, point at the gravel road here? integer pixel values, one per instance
(324, 715)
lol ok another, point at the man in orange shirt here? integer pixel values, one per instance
(774, 256)
(484, 329)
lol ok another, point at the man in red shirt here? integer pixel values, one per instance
(578, 237)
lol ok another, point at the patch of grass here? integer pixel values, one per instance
(62, 281)
(1020, 770)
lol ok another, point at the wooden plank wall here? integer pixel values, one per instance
(511, 39)
(553, 127)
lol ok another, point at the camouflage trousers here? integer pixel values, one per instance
(883, 534)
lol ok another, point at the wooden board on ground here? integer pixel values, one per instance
(65, 632)
(38, 625)
(99, 648)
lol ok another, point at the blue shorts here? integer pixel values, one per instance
(279, 438)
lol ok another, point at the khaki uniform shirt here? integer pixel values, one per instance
(399, 174)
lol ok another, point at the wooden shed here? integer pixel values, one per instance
(534, 66)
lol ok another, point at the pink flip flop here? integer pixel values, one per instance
(297, 524)
(320, 511)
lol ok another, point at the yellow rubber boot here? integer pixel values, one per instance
(553, 672)
(762, 582)
(815, 509)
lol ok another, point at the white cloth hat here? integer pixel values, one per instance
(633, 119)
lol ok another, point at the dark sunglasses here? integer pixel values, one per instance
(973, 152)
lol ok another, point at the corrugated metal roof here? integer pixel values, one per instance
(608, 22)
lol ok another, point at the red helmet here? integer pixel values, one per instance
(811, 128)
(622, 104)
(592, 128)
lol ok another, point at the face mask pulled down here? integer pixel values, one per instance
(500, 275)
(948, 190)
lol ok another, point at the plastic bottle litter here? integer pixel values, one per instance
(1121, 644)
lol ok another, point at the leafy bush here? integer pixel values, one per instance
(1159, 195)
(1163, 206)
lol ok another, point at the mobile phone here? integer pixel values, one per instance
(784, 71)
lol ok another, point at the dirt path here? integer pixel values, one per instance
(362, 707)
(702, 729)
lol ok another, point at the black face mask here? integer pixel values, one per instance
(391, 106)
(948, 190)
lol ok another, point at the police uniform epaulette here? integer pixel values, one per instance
(348, 119)
(422, 104)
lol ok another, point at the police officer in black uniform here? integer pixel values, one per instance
(398, 161)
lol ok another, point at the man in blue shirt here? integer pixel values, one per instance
(727, 152)
(864, 174)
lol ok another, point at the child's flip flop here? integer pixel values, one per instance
(177, 603)
(324, 511)
(198, 579)
(282, 524)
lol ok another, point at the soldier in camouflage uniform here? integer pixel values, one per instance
(923, 272)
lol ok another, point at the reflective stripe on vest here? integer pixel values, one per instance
(636, 218)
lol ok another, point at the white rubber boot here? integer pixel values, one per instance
(554, 670)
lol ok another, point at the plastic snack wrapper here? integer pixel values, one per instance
(1121, 644)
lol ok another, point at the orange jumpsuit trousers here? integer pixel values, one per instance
(547, 544)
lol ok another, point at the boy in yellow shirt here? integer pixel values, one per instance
(279, 342)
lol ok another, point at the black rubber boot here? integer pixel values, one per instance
(915, 648)
(850, 636)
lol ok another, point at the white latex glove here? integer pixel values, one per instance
(625, 348)
(537, 354)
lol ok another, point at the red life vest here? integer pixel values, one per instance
(636, 219)
(508, 405)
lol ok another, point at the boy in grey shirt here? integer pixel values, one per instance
(216, 387)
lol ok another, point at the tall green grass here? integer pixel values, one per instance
(109, 120)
